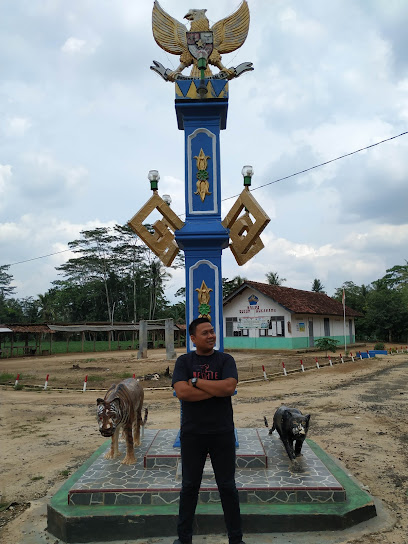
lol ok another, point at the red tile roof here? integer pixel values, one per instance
(297, 301)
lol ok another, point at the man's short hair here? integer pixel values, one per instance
(193, 325)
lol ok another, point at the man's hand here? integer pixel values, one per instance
(217, 388)
(186, 391)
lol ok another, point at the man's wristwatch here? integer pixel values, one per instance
(194, 382)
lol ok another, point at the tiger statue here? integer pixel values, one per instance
(122, 409)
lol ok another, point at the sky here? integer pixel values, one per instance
(83, 119)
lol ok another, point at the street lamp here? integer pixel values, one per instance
(153, 176)
(247, 171)
(202, 65)
(167, 199)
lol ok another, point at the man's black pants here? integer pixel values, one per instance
(194, 450)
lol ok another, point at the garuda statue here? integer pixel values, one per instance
(201, 41)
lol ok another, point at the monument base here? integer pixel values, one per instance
(105, 500)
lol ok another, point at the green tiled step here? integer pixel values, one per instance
(162, 454)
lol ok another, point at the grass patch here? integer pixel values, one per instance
(36, 478)
(64, 473)
(43, 435)
(6, 377)
(18, 387)
(94, 378)
(123, 375)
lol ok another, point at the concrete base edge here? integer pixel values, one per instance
(105, 523)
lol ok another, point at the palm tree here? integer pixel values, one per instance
(317, 286)
(274, 279)
(228, 286)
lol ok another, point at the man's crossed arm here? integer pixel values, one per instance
(205, 389)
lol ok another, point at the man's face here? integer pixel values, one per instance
(204, 338)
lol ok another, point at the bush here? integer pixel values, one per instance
(379, 346)
(327, 344)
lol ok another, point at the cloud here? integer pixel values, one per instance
(34, 236)
(45, 179)
(73, 45)
(84, 119)
(5, 176)
(17, 126)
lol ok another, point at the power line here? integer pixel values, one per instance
(321, 164)
(36, 258)
(255, 188)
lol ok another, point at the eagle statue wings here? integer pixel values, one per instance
(226, 36)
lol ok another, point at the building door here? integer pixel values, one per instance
(311, 335)
(351, 331)
(326, 326)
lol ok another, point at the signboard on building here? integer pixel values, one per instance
(253, 323)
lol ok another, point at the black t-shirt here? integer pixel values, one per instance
(212, 415)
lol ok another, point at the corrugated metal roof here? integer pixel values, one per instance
(296, 300)
(105, 328)
(5, 329)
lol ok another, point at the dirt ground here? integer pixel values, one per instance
(358, 415)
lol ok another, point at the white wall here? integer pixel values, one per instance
(239, 307)
(264, 309)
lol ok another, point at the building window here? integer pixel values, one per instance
(326, 326)
(276, 326)
(241, 332)
(229, 326)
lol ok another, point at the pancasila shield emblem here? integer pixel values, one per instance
(200, 41)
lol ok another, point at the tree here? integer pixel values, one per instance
(274, 279)
(228, 286)
(355, 295)
(386, 312)
(95, 247)
(114, 275)
(317, 286)
(356, 298)
(9, 308)
(11, 311)
(130, 254)
(157, 275)
(5, 280)
(326, 344)
(397, 276)
(30, 307)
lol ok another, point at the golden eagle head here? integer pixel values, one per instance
(195, 14)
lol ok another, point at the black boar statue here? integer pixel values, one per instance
(292, 426)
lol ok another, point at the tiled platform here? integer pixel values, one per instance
(263, 475)
(109, 501)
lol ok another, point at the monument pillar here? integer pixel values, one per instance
(201, 102)
(203, 237)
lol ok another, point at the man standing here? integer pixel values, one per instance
(204, 381)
